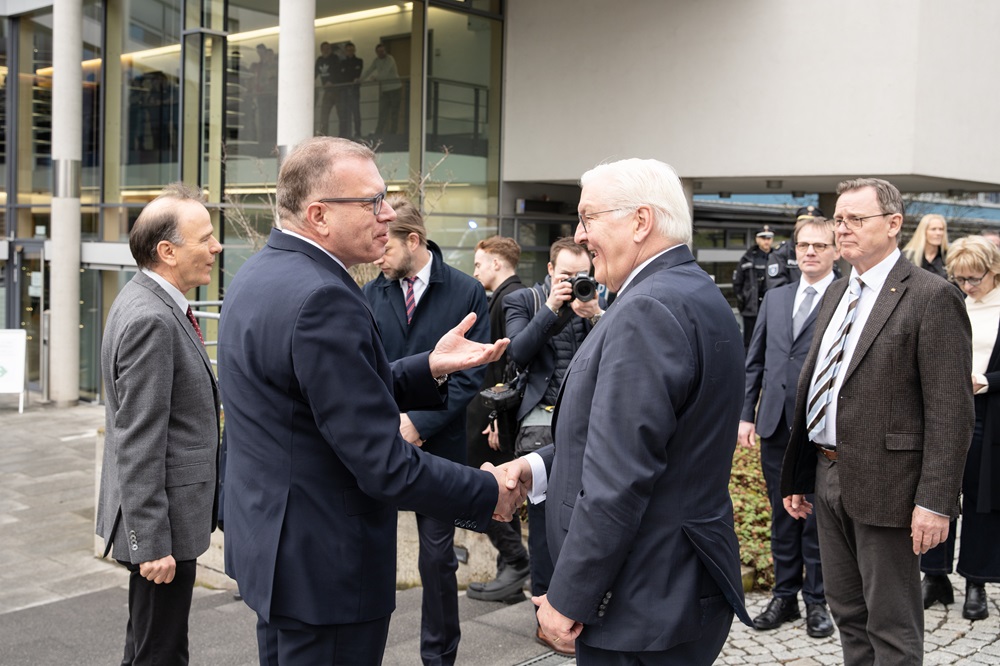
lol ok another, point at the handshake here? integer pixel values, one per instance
(514, 483)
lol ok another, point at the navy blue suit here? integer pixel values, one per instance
(774, 362)
(316, 467)
(449, 297)
(640, 522)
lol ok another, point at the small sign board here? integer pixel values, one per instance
(13, 345)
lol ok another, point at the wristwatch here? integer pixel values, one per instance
(441, 380)
(596, 318)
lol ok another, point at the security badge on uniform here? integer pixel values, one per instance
(772, 270)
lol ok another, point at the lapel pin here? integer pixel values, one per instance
(893, 290)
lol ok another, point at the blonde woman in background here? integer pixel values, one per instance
(974, 265)
(929, 246)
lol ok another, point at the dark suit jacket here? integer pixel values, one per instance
(158, 480)
(904, 411)
(449, 297)
(316, 467)
(532, 344)
(477, 415)
(774, 360)
(640, 523)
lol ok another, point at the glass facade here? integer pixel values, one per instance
(188, 90)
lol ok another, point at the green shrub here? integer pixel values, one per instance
(752, 513)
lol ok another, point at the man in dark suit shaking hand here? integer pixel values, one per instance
(781, 338)
(883, 421)
(316, 466)
(638, 514)
(158, 481)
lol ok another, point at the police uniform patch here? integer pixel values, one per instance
(772, 270)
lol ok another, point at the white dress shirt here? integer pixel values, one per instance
(873, 280)
(171, 290)
(420, 284)
(819, 287)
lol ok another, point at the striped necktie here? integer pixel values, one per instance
(194, 322)
(411, 302)
(819, 395)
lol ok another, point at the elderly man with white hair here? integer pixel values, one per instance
(640, 523)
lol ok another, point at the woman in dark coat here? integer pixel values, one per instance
(928, 249)
(974, 264)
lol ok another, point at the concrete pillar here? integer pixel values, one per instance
(296, 22)
(67, 148)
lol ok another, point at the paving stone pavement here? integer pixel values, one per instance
(61, 605)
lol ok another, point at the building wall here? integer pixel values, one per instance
(769, 88)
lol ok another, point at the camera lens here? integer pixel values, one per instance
(584, 288)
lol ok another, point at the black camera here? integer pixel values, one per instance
(584, 287)
(502, 397)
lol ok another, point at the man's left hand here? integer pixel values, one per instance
(927, 529)
(554, 624)
(453, 352)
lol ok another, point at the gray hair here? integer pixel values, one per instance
(890, 201)
(635, 182)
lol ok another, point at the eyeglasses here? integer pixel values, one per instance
(855, 222)
(585, 217)
(804, 247)
(375, 201)
(972, 282)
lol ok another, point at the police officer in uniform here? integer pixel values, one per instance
(749, 281)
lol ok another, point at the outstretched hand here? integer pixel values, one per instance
(511, 493)
(453, 352)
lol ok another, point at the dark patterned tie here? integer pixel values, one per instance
(194, 322)
(411, 302)
(819, 395)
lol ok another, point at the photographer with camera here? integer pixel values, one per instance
(542, 342)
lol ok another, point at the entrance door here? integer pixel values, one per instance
(30, 297)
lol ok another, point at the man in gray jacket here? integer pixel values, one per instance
(156, 511)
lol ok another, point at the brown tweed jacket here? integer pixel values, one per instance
(905, 411)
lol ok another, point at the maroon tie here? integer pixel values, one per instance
(194, 322)
(411, 302)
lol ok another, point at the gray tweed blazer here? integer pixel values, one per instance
(904, 412)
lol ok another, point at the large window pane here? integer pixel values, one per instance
(463, 91)
(34, 118)
(150, 97)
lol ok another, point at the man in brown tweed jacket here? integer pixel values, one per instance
(883, 421)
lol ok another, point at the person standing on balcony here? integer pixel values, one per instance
(383, 69)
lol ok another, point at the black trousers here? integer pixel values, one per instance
(439, 624)
(287, 642)
(506, 538)
(157, 630)
(794, 543)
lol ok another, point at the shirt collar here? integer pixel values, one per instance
(173, 292)
(312, 242)
(423, 275)
(875, 276)
(638, 269)
(819, 287)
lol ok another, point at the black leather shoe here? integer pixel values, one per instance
(975, 602)
(934, 588)
(818, 622)
(778, 612)
(507, 583)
